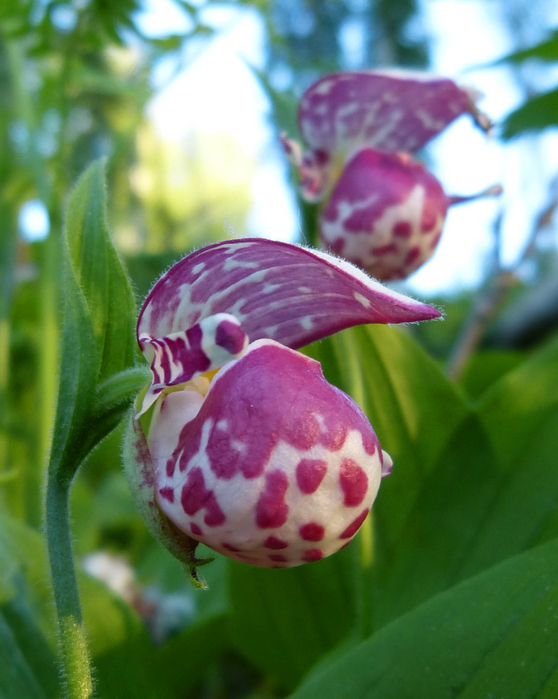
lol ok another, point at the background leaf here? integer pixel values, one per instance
(493, 635)
(100, 274)
(285, 620)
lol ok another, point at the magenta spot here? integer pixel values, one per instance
(195, 529)
(273, 542)
(215, 516)
(167, 492)
(230, 337)
(272, 510)
(194, 493)
(277, 557)
(312, 532)
(171, 464)
(402, 229)
(385, 249)
(312, 555)
(429, 217)
(309, 474)
(195, 496)
(354, 526)
(229, 547)
(354, 482)
(412, 256)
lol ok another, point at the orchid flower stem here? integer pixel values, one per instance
(75, 657)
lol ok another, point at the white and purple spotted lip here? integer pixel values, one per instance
(389, 110)
(275, 290)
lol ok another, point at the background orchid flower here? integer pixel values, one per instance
(383, 210)
(249, 449)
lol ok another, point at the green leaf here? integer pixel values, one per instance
(545, 51)
(493, 493)
(285, 620)
(98, 338)
(537, 114)
(108, 619)
(513, 408)
(17, 680)
(32, 646)
(433, 551)
(99, 273)
(495, 635)
(137, 669)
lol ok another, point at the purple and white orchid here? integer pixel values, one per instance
(384, 211)
(249, 449)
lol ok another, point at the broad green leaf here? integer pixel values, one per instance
(17, 680)
(99, 273)
(536, 114)
(283, 621)
(447, 519)
(495, 635)
(32, 646)
(486, 368)
(513, 408)
(138, 669)
(492, 493)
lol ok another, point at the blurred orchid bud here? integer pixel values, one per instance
(240, 442)
(382, 209)
(386, 213)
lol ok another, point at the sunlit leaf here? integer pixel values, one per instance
(495, 635)
(537, 114)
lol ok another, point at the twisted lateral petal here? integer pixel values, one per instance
(391, 110)
(275, 467)
(276, 290)
(181, 356)
(385, 214)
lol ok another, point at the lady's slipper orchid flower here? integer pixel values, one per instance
(249, 449)
(384, 211)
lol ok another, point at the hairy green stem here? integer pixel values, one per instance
(77, 666)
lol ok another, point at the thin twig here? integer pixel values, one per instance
(491, 297)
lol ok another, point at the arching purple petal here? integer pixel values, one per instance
(276, 290)
(385, 214)
(391, 110)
